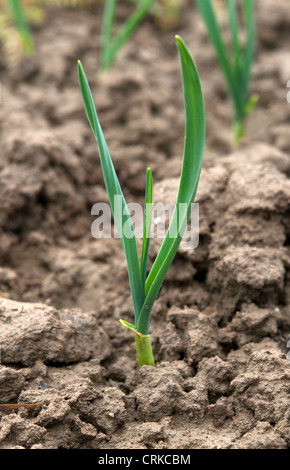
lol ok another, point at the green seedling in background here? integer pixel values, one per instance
(18, 15)
(144, 289)
(110, 44)
(236, 65)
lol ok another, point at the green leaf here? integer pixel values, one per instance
(252, 103)
(209, 16)
(147, 225)
(190, 172)
(234, 27)
(129, 326)
(249, 18)
(191, 167)
(120, 211)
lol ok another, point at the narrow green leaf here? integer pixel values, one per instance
(237, 65)
(251, 104)
(234, 28)
(107, 30)
(249, 18)
(120, 211)
(191, 166)
(128, 325)
(209, 16)
(147, 225)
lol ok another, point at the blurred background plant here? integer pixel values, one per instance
(110, 42)
(236, 55)
(15, 35)
(18, 17)
(167, 13)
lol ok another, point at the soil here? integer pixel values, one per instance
(221, 322)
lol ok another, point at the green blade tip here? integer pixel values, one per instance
(80, 67)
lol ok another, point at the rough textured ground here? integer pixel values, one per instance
(222, 319)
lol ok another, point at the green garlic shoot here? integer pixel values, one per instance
(237, 65)
(145, 288)
(110, 45)
(19, 17)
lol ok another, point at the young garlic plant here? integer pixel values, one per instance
(145, 288)
(110, 45)
(237, 65)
